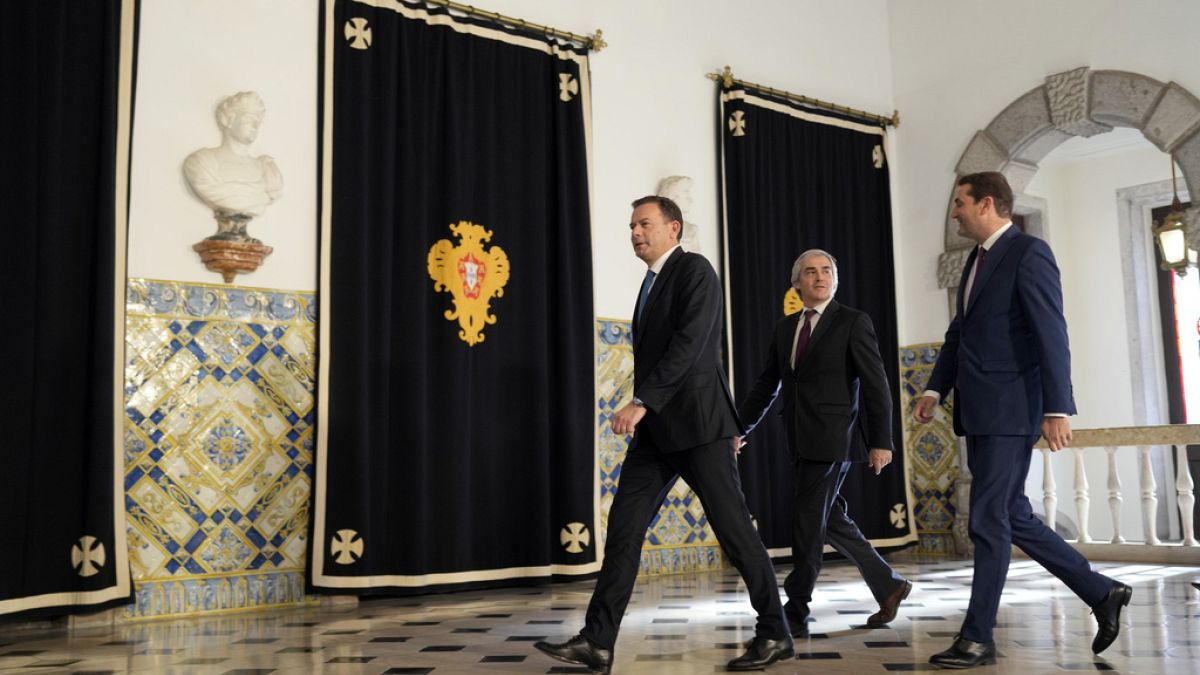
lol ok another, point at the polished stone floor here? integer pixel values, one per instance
(675, 624)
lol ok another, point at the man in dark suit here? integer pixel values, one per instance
(1007, 361)
(683, 421)
(825, 361)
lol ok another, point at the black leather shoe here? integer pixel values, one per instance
(889, 607)
(579, 651)
(1108, 616)
(965, 653)
(761, 653)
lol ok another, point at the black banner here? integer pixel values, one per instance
(796, 179)
(455, 437)
(66, 67)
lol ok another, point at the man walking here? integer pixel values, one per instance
(1007, 360)
(683, 421)
(825, 361)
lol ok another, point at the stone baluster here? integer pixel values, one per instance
(1185, 497)
(1149, 500)
(1114, 495)
(1049, 494)
(1082, 503)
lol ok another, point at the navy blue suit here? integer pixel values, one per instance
(1007, 360)
(687, 432)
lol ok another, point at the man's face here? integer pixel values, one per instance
(816, 282)
(969, 213)
(244, 128)
(651, 234)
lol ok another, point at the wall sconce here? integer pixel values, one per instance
(1172, 243)
(1171, 236)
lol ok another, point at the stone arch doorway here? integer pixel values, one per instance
(1079, 102)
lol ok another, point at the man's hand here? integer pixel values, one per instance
(1057, 432)
(627, 418)
(880, 458)
(923, 412)
(738, 442)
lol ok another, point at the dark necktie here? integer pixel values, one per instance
(975, 282)
(802, 339)
(646, 283)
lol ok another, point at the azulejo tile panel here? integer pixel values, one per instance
(932, 452)
(219, 386)
(679, 538)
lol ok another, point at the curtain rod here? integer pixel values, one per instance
(727, 80)
(594, 42)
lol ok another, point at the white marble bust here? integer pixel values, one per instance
(679, 190)
(235, 184)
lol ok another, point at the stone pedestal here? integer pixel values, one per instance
(231, 257)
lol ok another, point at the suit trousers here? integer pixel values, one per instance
(1001, 516)
(646, 477)
(819, 516)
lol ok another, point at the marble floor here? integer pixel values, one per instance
(675, 624)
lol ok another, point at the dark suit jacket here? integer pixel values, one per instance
(1006, 358)
(677, 358)
(841, 368)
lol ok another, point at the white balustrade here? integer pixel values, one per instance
(1111, 440)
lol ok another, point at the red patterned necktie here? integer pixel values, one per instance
(802, 339)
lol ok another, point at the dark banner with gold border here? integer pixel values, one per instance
(455, 434)
(67, 69)
(793, 179)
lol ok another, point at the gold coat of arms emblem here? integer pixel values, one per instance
(471, 275)
(792, 302)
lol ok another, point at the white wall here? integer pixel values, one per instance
(653, 111)
(957, 63)
(191, 54)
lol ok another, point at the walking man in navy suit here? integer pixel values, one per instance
(1006, 359)
(683, 423)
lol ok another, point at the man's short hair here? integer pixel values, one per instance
(808, 254)
(668, 207)
(990, 184)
